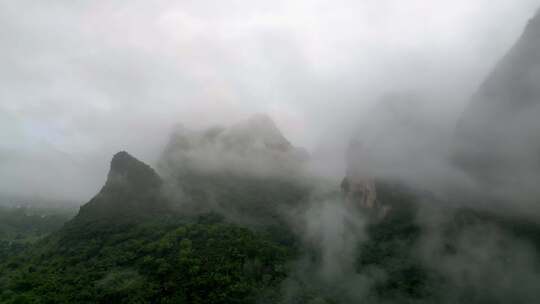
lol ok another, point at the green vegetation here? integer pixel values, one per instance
(255, 199)
(22, 226)
(164, 261)
(208, 259)
(231, 239)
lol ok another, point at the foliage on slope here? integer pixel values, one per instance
(163, 261)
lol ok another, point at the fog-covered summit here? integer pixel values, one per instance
(255, 147)
(260, 132)
(499, 133)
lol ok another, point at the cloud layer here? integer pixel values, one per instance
(82, 80)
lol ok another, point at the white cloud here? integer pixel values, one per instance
(90, 78)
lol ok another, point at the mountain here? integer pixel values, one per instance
(393, 141)
(208, 231)
(248, 170)
(498, 136)
(257, 131)
(255, 147)
(132, 190)
(127, 245)
(234, 216)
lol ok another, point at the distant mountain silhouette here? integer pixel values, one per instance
(132, 190)
(498, 136)
(246, 169)
(253, 147)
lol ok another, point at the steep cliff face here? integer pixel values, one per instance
(360, 191)
(359, 184)
(498, 137)
(391, 144)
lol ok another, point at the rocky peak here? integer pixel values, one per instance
(126, 170)
(132, 191)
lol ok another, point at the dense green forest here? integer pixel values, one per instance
(163, 261)
(22, 226)
(208, 258)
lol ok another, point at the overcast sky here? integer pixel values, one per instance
(81, 80)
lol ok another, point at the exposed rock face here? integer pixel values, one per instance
(132, 190)
(498, 137)
(388, 145)
(359, 185)
(361, 192)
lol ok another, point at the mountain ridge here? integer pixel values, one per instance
(497, 138)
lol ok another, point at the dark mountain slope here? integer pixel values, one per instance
(132, 190)
(498, 136)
